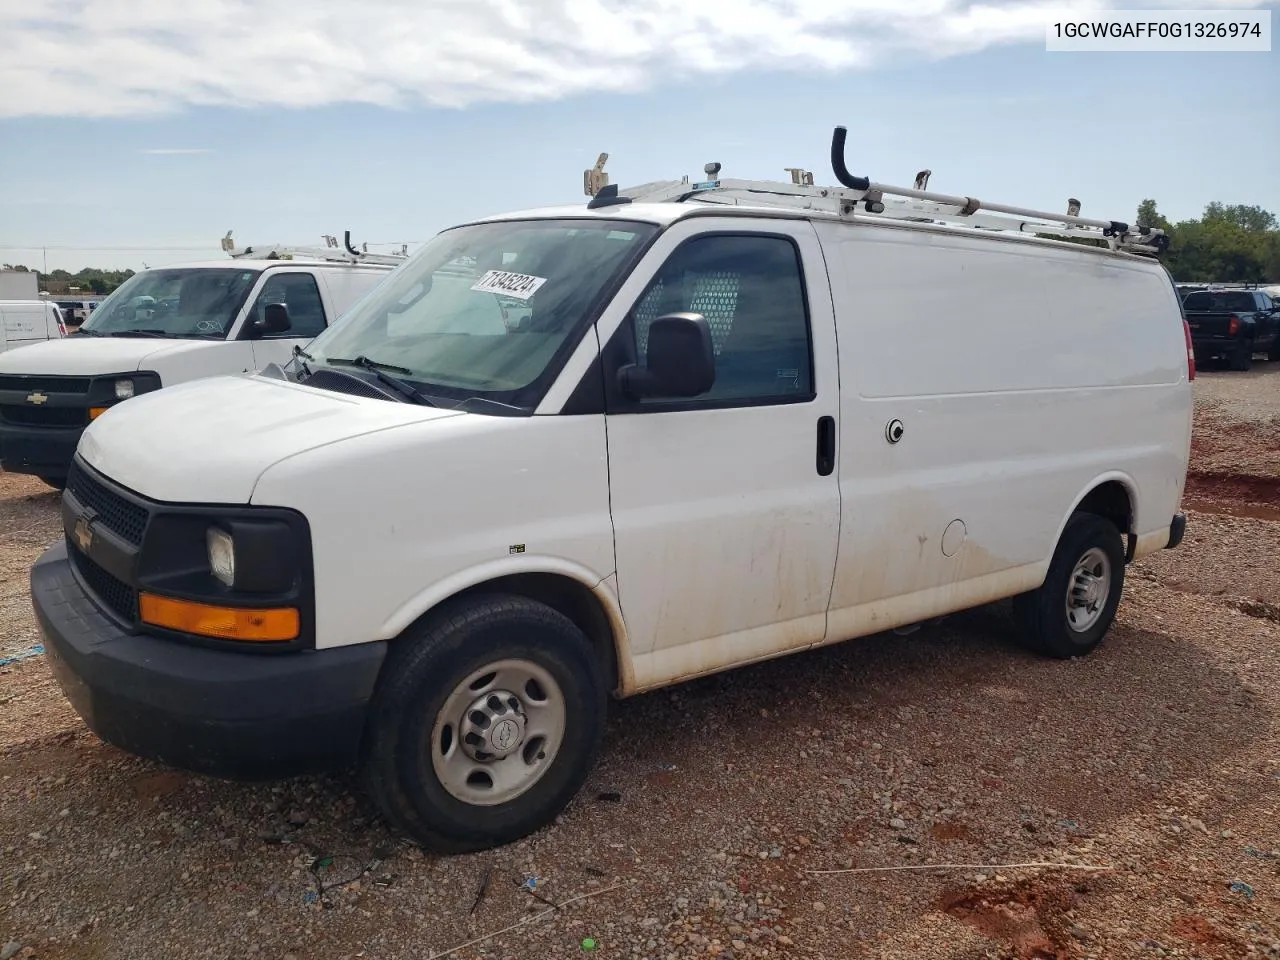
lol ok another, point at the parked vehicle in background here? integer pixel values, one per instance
(25, 322)
(434, 545)
(168, 325)
(74, 311)
(1232, 325)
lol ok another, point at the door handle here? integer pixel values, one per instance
(826, 446)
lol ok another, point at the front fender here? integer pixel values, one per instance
(601, 588)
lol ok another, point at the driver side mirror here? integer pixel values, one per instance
(680, 360)
(275, 319)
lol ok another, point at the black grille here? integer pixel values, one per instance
(119, 596)
(29, 416)
(340, 382)
(125, 519)
(45, 384)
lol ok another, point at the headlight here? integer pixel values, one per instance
(222, 555)
(124, 389)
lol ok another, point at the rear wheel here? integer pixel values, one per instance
(487, 724)
(1242, 359)
(1071, 612)
(58, 483)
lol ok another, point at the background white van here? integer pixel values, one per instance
(23, 322)
(163, 326)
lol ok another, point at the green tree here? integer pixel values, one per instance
(1228, 243)
(1250, 217)
(1149, 216)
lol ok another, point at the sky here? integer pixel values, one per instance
(135, 133)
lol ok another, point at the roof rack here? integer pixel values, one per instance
(1217, 285)
(859, 197)
(330, 252)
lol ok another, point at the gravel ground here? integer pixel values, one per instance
(1158, 758)
(1238, 420)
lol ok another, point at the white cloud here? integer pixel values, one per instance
(137, 57)
(174, 151)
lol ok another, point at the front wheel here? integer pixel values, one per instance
(486, 726)
(1274, 352)
(1071, 612)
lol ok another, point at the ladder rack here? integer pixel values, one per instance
(329, 253)
(858, 197)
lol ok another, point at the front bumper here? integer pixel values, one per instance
(42, 451)
(225, 713)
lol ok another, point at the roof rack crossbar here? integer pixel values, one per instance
(329, 253)
(861, 197)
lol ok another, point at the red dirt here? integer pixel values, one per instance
(1028, 916)
(950, 832)
(1198, 930)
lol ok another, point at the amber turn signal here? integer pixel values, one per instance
(227, 623)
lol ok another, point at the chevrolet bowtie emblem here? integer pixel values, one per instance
(84, 534)
(36, 397)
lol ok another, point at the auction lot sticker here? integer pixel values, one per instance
(518, 285)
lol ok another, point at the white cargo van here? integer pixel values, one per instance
(169, 325)
(24, 322)
(732, 424)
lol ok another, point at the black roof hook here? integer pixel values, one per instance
(837, 163)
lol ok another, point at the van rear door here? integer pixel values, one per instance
(23, 323)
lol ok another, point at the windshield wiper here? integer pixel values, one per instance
(302, 357)
(378, 369)
(370, 364)
(82, 332)
(157, 334)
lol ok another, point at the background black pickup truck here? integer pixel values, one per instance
(1234, 324)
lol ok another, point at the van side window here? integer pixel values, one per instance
(299, 293)
(751, 292)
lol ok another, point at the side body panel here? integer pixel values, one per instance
(1022, 376)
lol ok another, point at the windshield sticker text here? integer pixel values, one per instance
(518, 285)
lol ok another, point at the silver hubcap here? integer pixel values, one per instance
(1088, 590)
(498, 732)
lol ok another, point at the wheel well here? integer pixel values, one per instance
(1110, 500)
(569, 598)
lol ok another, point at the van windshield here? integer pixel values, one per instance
(180, 302)
(487, 310)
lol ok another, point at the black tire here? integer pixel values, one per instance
(1042, 613)
(1242, 359)
(58, 483)
(1274, 352)
(425, 667)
